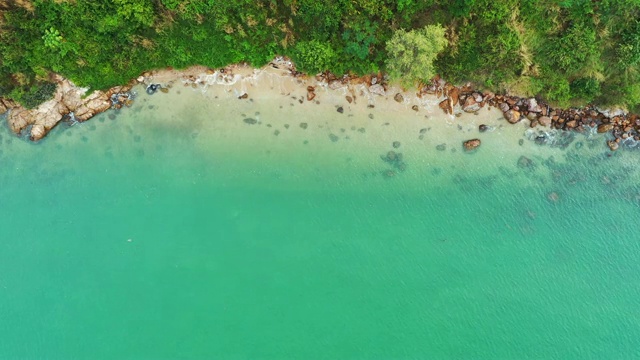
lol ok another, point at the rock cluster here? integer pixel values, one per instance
(68, 99)
(394, 159)
(536, 113)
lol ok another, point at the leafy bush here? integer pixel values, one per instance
(314, 56)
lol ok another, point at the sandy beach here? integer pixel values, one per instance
(276, 120)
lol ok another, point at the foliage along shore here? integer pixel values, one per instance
(567, 53)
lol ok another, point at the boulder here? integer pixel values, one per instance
(470, 104)
(311, 95)
(446, 106)
(471, 145)
(571, 124)
(532, 106)
(398, 97)
(6, 104)
(482, 128)
(512, 116)
(504, 107)
(544, 120)
(613, 145)
(454, 95)
(94, 104)
(377, 89)
(603, 128)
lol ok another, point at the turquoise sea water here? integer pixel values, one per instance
(133, 238)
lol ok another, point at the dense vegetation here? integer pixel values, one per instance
(569, 52)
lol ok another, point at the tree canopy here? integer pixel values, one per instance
(411, 53)
(566, 52)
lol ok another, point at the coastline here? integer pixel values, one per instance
(72, 104)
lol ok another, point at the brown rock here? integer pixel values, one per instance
(612, 145)
(470, 104)
(512, 116)
(454, 95)
(243, 96)
(446, 106)
(471, 145)
(349, 99)
(6, 104)
(94, 104)
(37, 132)
(504, 107)
(415, 108)
(571, 124)
(544, 120)
(603, 128)
(311, 95)
(398, 97)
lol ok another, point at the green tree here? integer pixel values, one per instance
(314, 56)
(411, 53)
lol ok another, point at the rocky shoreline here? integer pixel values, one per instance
(70, 104)
(623, 126)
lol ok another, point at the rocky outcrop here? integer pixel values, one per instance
(67, 99)
(515, 109)
(6, 105)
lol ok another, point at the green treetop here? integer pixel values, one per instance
(411, 53)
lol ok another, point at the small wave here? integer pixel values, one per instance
(630, 142)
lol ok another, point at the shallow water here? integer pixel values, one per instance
(180, 231)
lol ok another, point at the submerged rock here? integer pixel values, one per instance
(471, 145)
(250, 121)
(396, 144)
(525, 163)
